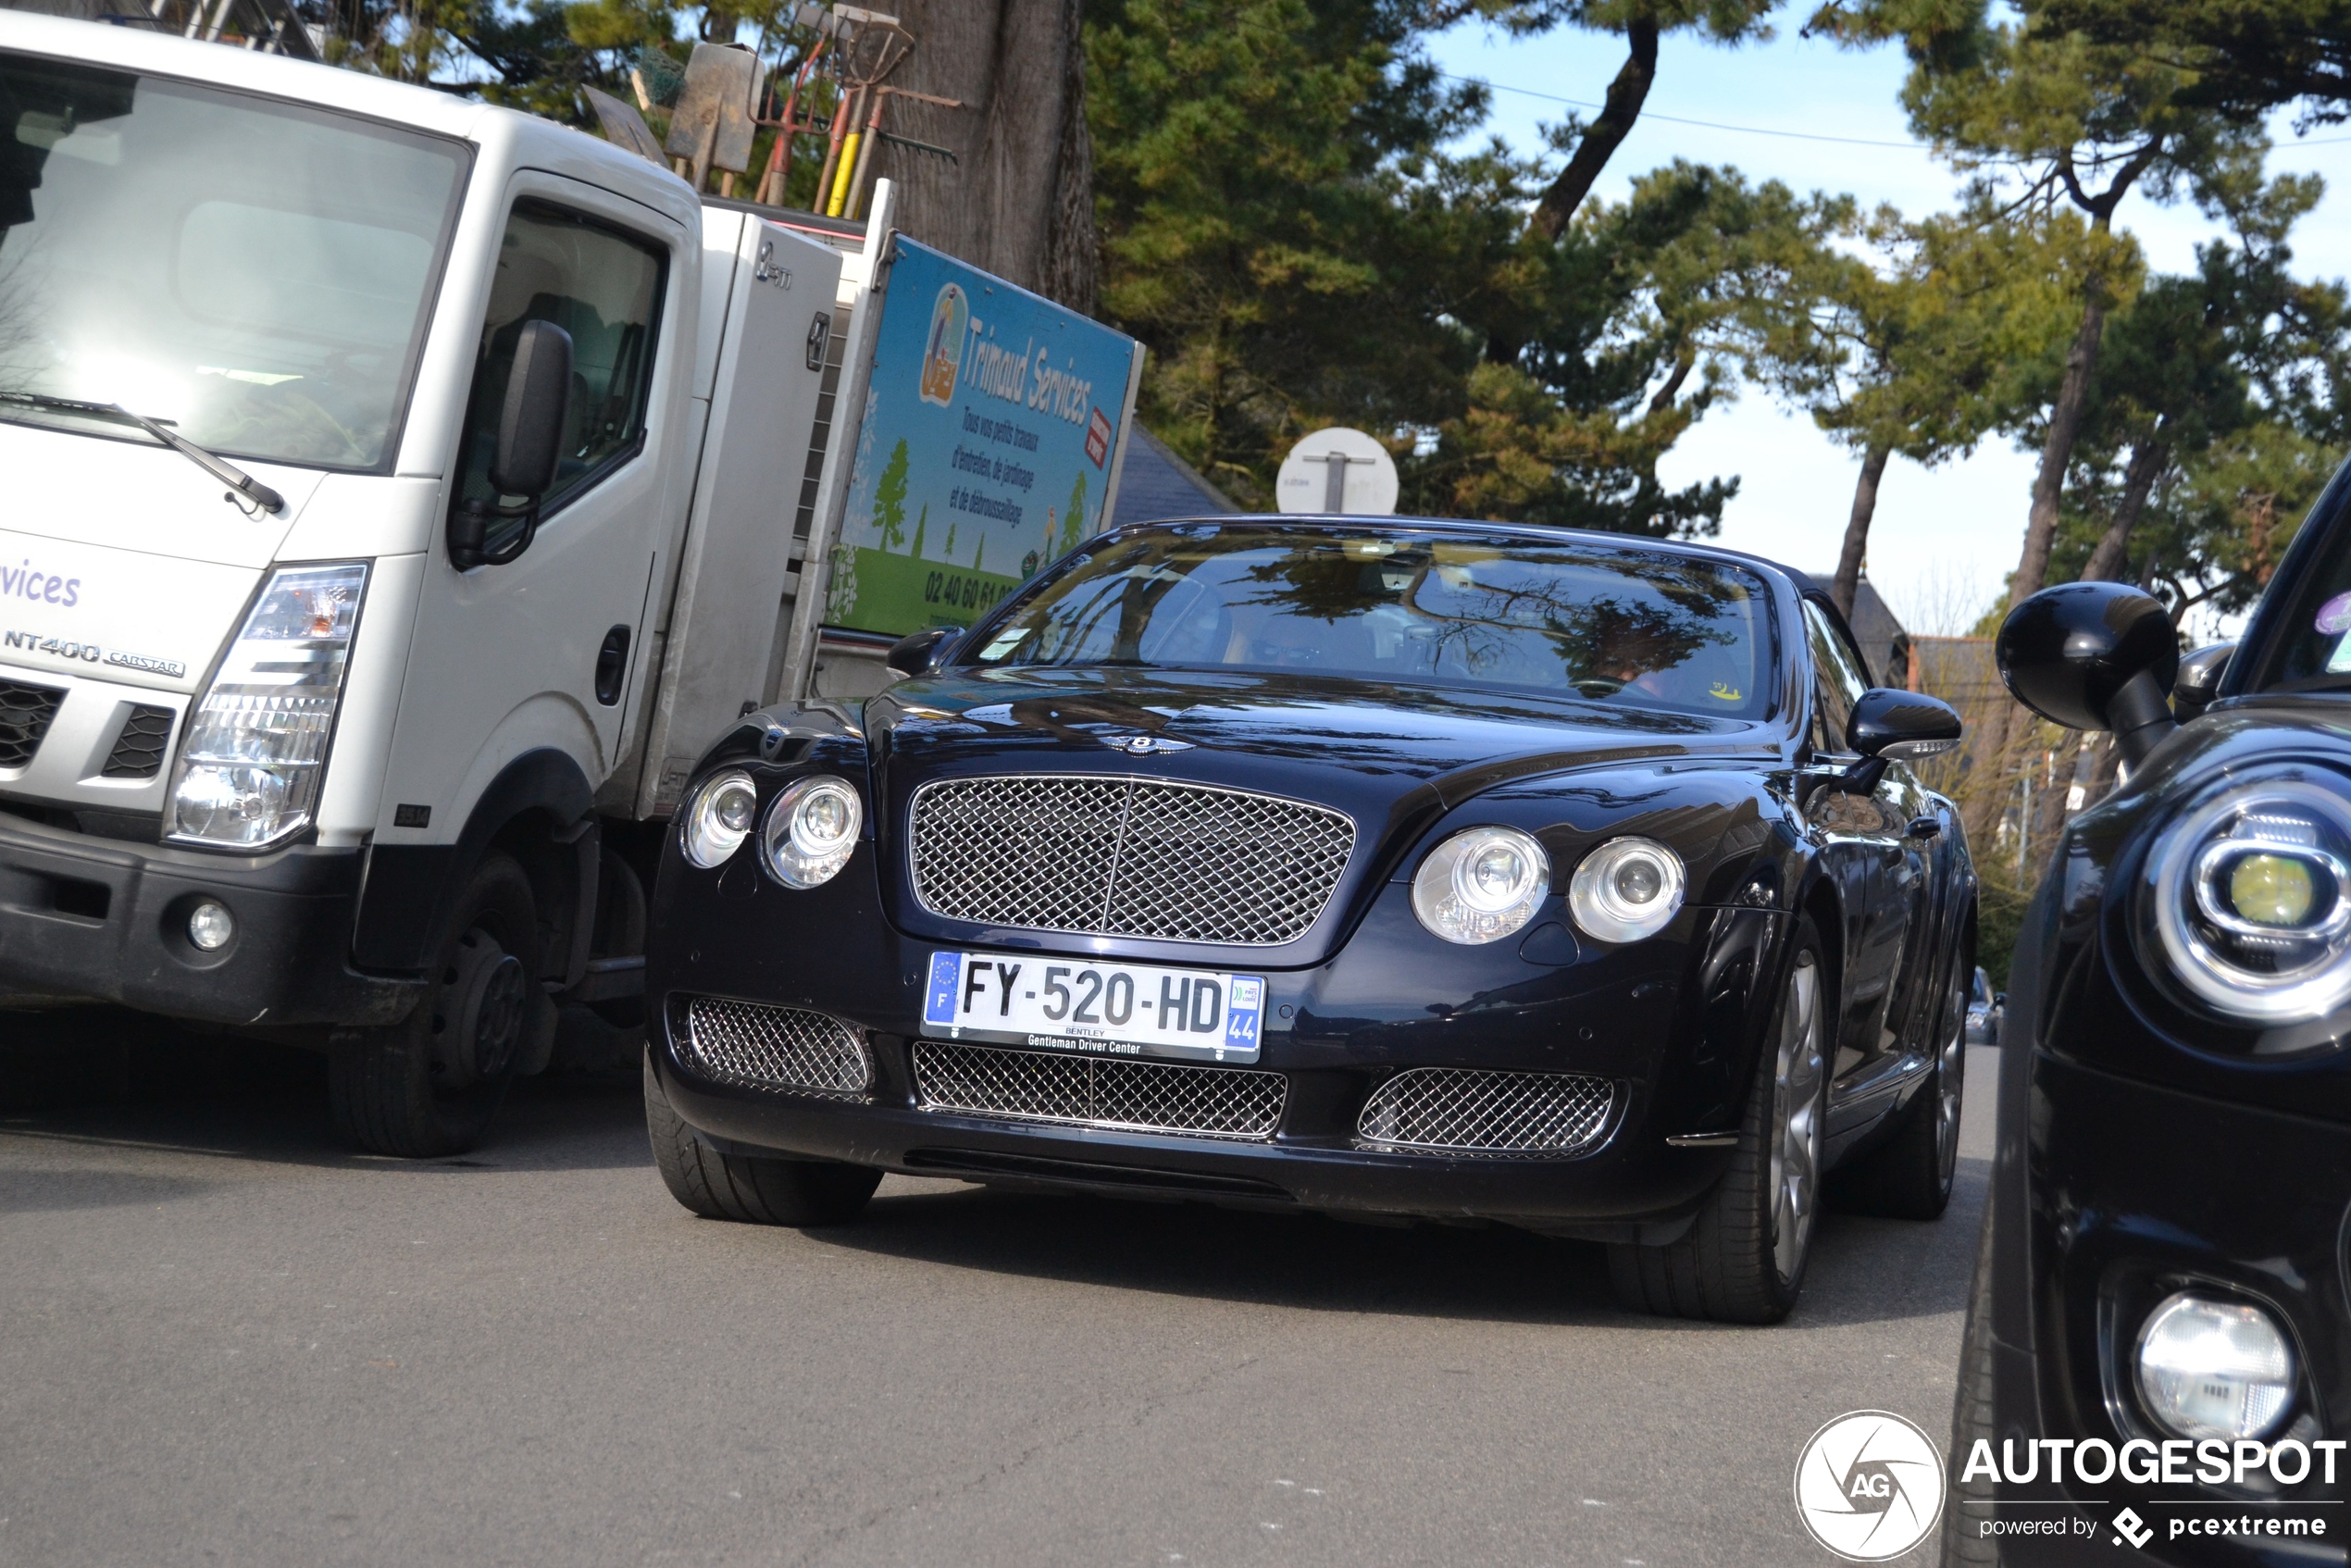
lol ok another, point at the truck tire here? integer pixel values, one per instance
(736, 1186)
(1908, 1176)
(1743, 1258)
(429, 1085)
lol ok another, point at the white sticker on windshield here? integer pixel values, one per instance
(2340, 660)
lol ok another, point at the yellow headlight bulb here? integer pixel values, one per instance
(2271, 889)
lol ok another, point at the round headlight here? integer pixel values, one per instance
(2215, 1369)
(811, 830)
(718, 818)
(2252, 901)
(1626, 889)
(1481, 884)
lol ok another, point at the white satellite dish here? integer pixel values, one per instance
(1338, 470)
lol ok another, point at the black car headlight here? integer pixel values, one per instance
(1481, 884)
(2250, 896)
(1626, 889)
(717, 820)
(811, 830)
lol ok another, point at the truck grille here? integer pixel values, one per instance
(1107, 856)
(1036, 1086)
(138, 750)
(25, 713)
(1472, 1111)
(741, 1042)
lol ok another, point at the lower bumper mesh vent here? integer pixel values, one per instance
(138, 750)
(1472, 1111)
(741, 1042)
(1036, 1086)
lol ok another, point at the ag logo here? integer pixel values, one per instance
(1869, 1485)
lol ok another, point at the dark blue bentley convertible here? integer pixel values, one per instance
(1415, 868)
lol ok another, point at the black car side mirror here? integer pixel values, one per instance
(530, 442)
(2199, 680)
(2094, 656)
(1902, 725)
(921, 652)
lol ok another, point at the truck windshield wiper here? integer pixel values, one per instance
(220, 468)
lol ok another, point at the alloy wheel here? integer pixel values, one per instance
(1796, 1117)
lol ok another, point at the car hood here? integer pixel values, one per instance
(1395, 758)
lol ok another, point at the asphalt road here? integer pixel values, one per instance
(225, 1342)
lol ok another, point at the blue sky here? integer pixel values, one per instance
(1944, 539)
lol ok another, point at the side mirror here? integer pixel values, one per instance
(530, 442)
(1902, 725)
(920, 653)
(2199, 680)
(2094, 656)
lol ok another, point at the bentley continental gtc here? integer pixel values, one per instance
(1415, 869)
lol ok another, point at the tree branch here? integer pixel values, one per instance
(1605, 134)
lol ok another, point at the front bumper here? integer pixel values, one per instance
(1671, 1024)
(105, 920)
(2118, 1194)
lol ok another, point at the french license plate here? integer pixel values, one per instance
(1099, 1009)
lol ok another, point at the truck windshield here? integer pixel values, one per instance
(1623, 625)
(254, 273)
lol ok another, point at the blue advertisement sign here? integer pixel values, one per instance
(985, 450)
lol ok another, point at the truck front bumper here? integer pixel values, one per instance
(87, 919)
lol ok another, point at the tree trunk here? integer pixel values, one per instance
(1018, 201)
(1606, 132)
(2065, 424)
(1856, 529)
(2113, 553)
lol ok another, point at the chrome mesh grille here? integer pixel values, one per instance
(741, 1042)
(1036, 1086)
(1472, 1110)
(1126, 857)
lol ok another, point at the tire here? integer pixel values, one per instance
(1743, 1258)
(1971, 1419)
(736, 1186)
(427, 1087)
(1908, 1176)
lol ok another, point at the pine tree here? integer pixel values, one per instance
(889, 498)
(1074, 525)
(920, 523)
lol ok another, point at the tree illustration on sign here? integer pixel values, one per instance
(890, 499)
(1074, 525)
(978, 554)
(950, 540)
(920, 523)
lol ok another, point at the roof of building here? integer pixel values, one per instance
(1154, 484)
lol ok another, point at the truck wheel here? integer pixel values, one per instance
(429, 1085)
(736, 1186)
(1908, 1176)
(1742, 1259)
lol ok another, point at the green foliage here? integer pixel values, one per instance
(2248, 54)
(889, 498)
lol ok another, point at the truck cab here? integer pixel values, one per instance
(400, 489)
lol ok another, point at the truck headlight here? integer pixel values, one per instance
(1481, 884)
(1626, 889)
(256, 753)
(812, 831)
(2215, 1369)
(717, 820)
(2251, 892)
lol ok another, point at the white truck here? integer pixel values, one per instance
(399, 493)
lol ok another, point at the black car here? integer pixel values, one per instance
(2157, 1355)
(1410, 869)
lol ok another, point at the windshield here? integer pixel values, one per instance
(1629, 627)
(254, 273)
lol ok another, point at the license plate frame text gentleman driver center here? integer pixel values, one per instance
(1030, 999)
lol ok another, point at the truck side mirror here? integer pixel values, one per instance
(2199, 680)
(1902, 725)
(919, 654)
(530, 442)
(531, 426)
(2094, 656)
